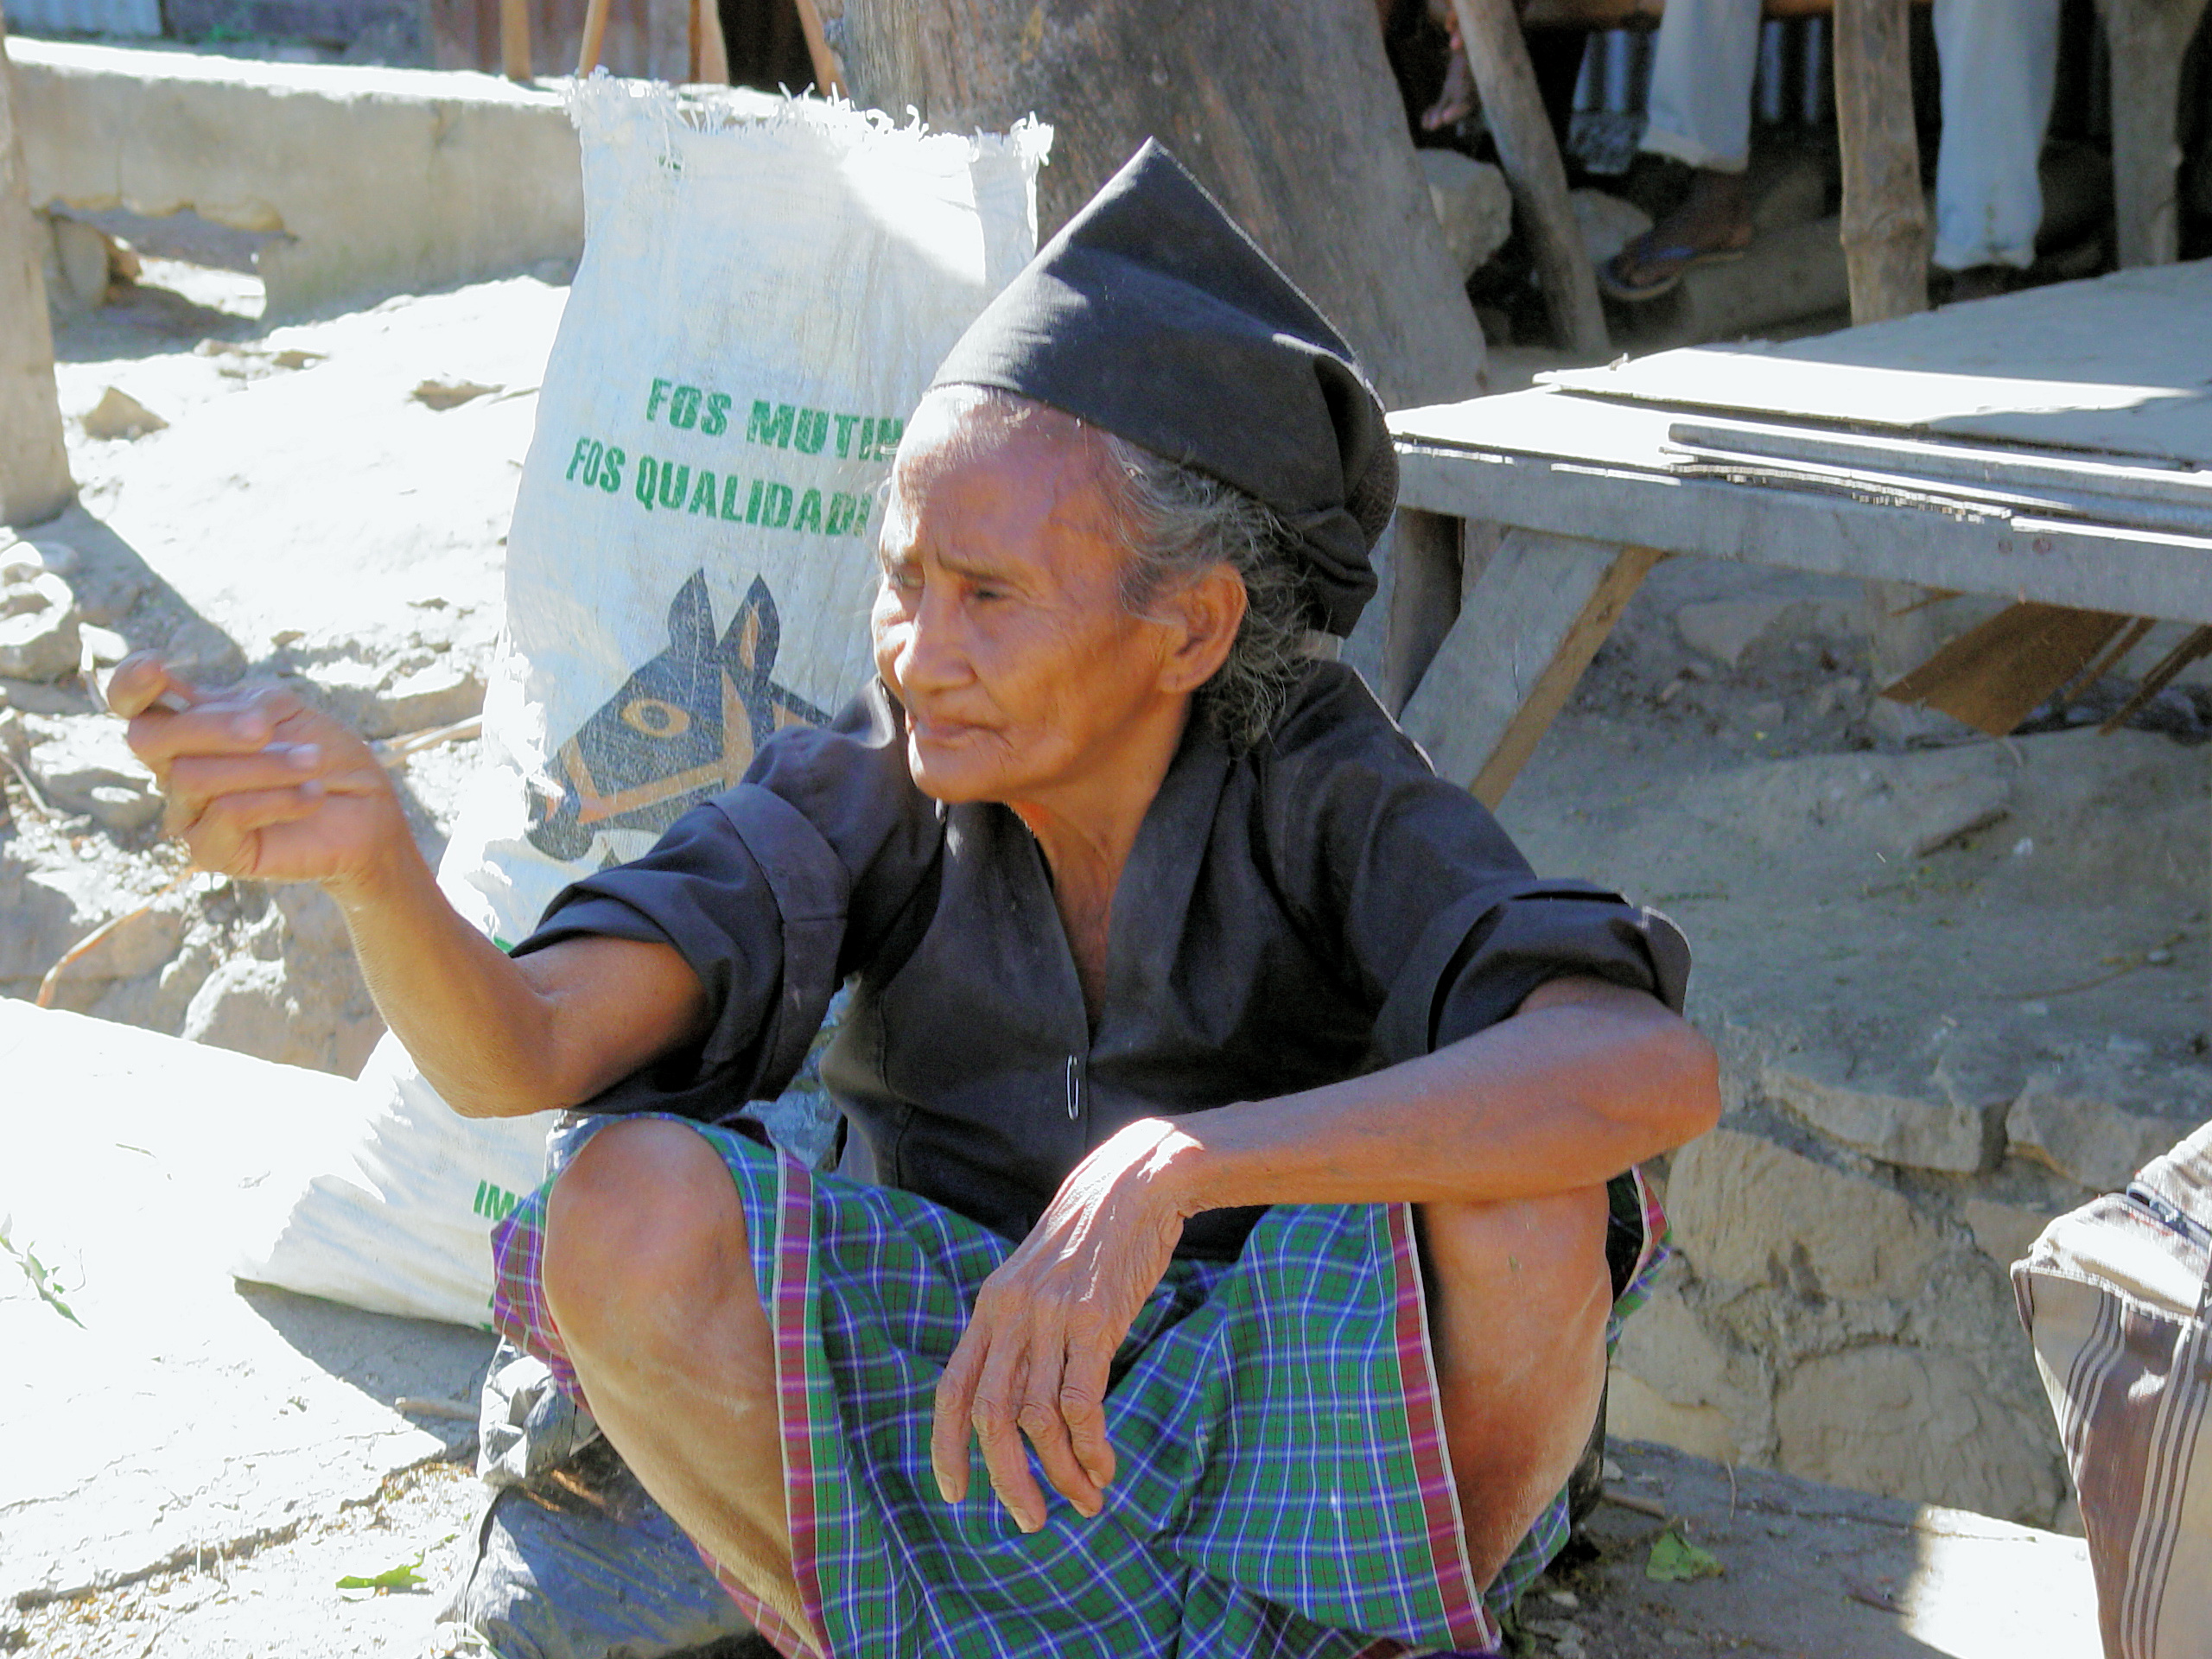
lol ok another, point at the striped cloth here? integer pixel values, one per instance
(1282, 1487)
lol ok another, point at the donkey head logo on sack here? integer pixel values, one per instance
(683, 727)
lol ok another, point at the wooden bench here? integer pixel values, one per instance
(2053, 446)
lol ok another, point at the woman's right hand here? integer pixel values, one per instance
(258, 784)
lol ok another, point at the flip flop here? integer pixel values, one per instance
(1674, 259)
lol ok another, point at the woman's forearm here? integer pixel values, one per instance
(1586, 1080)
(480, 1031)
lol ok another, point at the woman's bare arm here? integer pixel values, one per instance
(261, 786)
(1584, 1080)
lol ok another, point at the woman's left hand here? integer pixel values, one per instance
(1034, 1360)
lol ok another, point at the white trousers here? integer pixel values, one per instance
(1999, 61)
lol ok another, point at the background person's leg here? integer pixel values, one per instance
(1518, 1297)
(648, 1276)
(1999, 61)
(1703, 68)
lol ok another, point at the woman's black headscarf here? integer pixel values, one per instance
(1154, 316)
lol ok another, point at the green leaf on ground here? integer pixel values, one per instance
(39, 1275)
(1675, 1559)
(403, 1577)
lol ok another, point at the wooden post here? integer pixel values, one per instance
(34, 480)
(2148, 39)
(1886, 238)
(595, 41)
(514, 39)
(1514, 108)
(1529, 626)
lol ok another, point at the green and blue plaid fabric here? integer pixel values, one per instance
(1282, 1489)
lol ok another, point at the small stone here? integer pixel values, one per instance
(1607, 222)
(2003, 1231)
(1726, 628)
(2078, 1118)
(2159, 957)
(86, 765)
(1565, 1599)
(2035, 1010)
(29, 558)
(2025, 846)
(38, 628)
(119, 415)
(106, 645)
(449, 394)
(1473, 204)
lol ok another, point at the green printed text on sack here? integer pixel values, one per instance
(781, 426)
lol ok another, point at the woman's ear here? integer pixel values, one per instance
(1205, 616)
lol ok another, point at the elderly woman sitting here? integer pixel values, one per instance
(1233, 1113)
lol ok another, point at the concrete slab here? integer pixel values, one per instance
(1809, 1571)
(381, 180)
(180, 1413)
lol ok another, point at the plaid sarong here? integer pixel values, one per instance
(1282, 1487)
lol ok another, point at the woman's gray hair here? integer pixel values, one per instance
(1180, 523)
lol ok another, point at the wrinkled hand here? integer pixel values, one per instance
(257, 784)
(1032, 1362)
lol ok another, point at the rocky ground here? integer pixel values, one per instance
(322, 506)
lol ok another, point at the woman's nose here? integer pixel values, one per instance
(928, 651)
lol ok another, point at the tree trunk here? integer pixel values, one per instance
(2149, 39)
(1514, 108)
(1886, 239)
(33, 466)
(1284, 109)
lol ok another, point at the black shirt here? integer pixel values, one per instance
(1290, 916)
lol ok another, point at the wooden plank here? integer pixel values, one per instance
(2138, 572)
(1528, 628)
(1995, 674)
(2121, 364)
(1514, 110)
(1885, 236)
(1969, 463)
(1913, 490)
(1424, 599)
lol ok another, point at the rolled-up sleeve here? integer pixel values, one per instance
(760, 891)
(1432, 909)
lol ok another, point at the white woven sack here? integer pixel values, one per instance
(767, 285)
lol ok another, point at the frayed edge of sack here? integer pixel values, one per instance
(603, 102)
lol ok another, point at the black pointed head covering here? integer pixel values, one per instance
(1153, 316)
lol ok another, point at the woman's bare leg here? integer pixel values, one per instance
(648, 1275)
(1518, 1297)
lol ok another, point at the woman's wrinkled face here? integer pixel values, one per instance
(999, 623)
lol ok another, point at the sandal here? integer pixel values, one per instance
(1665, 266)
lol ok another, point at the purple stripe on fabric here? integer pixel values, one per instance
(1654, 1227)
(1464, 1616)
(794, 1271)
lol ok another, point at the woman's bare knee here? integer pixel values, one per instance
(646, 1215)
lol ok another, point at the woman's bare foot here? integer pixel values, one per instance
(1712, 223)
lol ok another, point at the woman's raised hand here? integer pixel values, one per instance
(257, 784)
